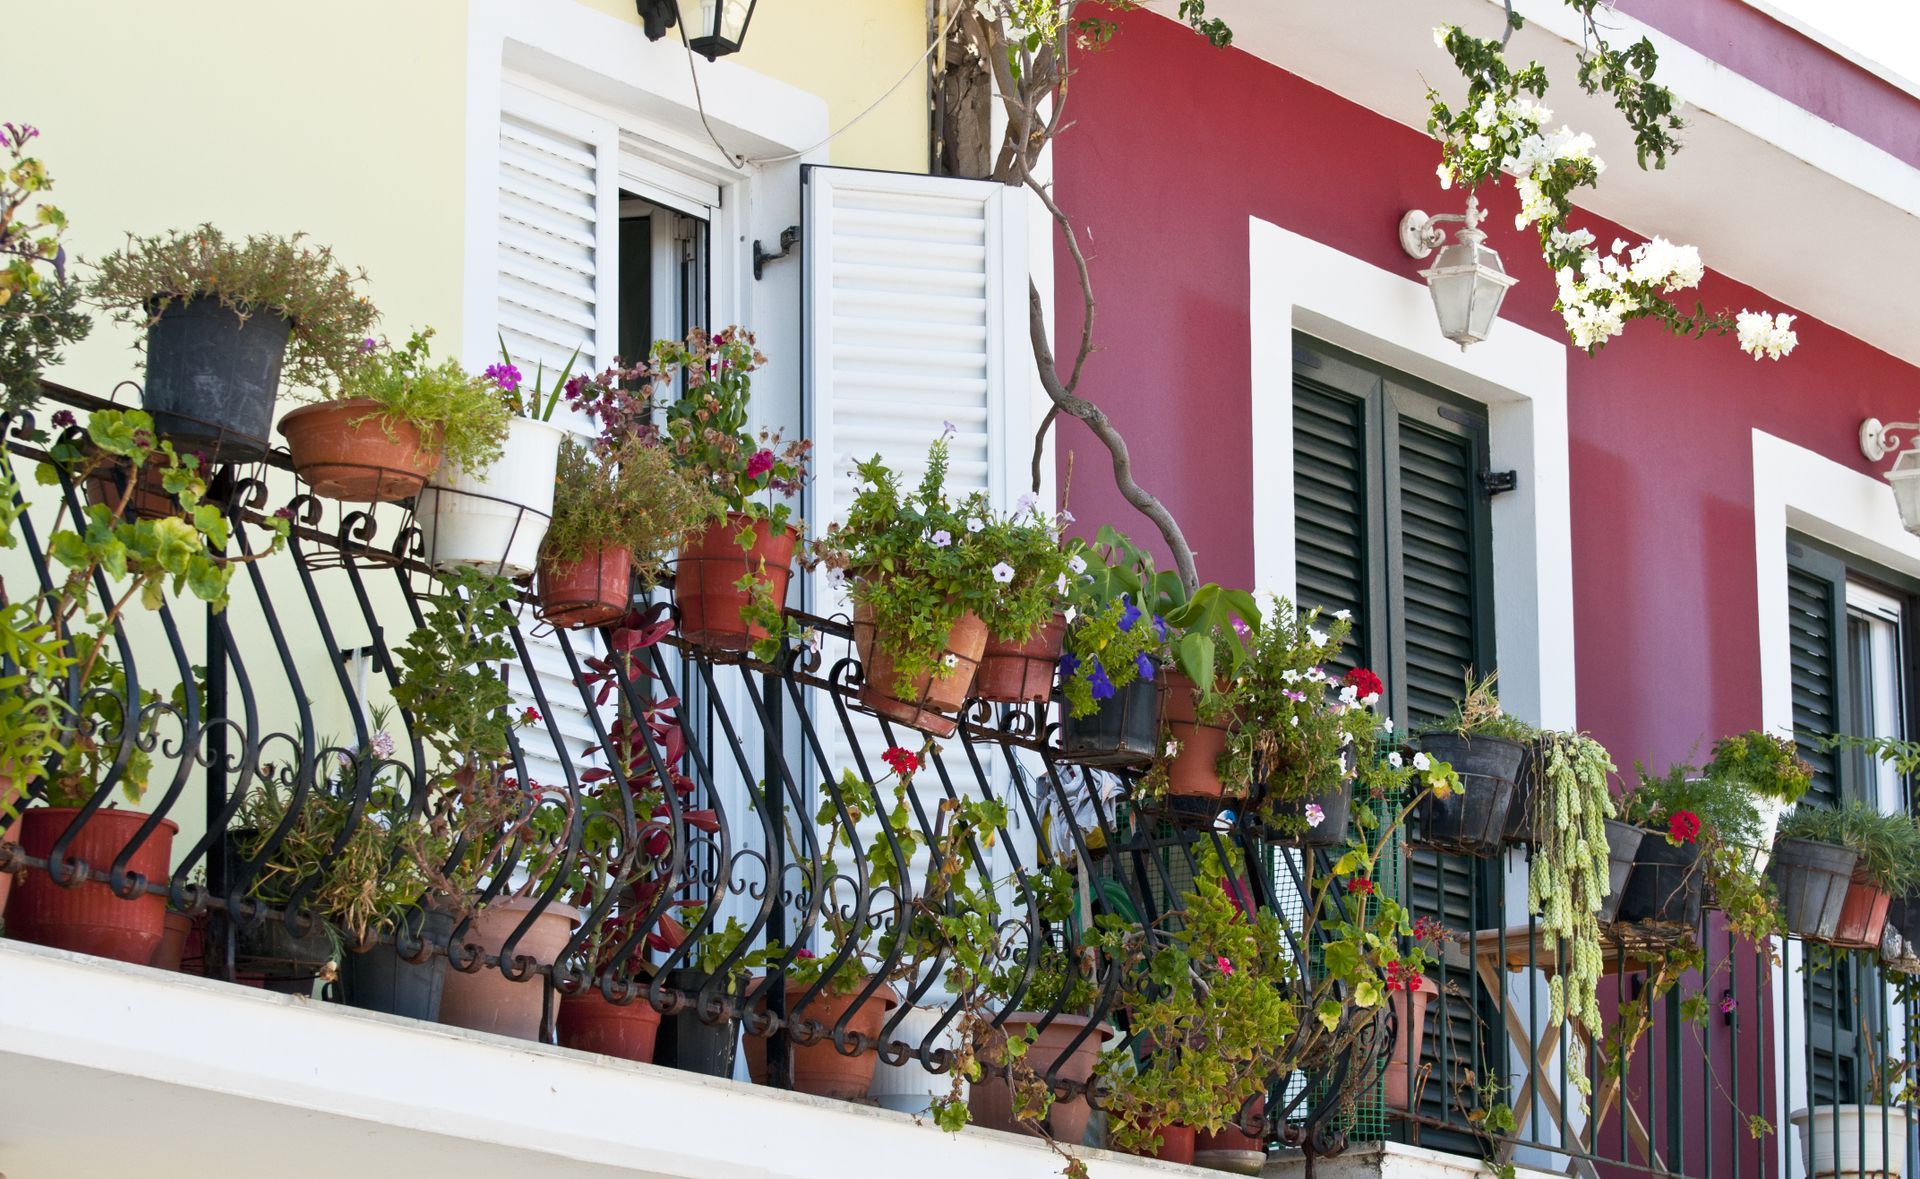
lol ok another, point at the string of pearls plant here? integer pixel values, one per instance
(1568, 882)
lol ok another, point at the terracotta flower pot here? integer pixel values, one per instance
(820, 1068)
(930, 702)
(108, 481)
(1194, 772)
(1412, 1029)
(1231, 1150)
(172, 950)
(591, 591)
(1176, 1145)
(1863, 917)
(706, 581)
(486, 1000)
(991, 1103)
(91, 918)
(589, 1022)
(1013, 672)
(349, 450)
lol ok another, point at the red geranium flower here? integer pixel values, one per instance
(902, 761)
(759, 464)
(1364, 682)
(1360, 884)
(1683, 826)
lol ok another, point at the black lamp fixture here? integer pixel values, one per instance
(711, 28)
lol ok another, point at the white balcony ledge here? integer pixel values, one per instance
(112, 1069)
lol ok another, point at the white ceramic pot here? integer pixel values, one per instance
(494, 520)
(1853, 1141)
(909, 1087)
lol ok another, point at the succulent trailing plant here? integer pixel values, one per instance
(1567, 882)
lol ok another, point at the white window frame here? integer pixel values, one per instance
(1797, 490)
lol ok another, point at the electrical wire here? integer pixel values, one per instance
(741, 163)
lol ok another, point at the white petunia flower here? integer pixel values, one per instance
(1077, 563)
(1343, 615)
(976, 524)
(1349, 695)
(1003, 573)
(1422, 762)
(1315, 815)
(1387, 724)
(1394, 760)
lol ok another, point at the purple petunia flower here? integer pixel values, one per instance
(1144, 664)
(1130, 615)
(369, 346)
(1069, 663)
(1098, 681)
(504, 375)
(1160, 626)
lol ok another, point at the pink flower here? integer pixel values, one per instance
(1226, 967)
(759, 464)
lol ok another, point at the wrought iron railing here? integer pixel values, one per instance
(724, 837)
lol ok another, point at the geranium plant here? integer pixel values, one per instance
(441, 400)
(754, 473)
(265, 274)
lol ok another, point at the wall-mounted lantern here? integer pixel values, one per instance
(1878, 440)
(713, 28)
(1467, 280)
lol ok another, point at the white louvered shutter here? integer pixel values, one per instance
(557, 271)
(916, 308)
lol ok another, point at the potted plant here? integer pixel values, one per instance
(1886, 851)
(502, 832)
(1058, 1041)
(1208, 632)
(1301, 734)
(225, 320)
(731, 579)
(919, 571)
(492, 515)
(1769, 768)
(1698, 832)
(38, 301)
(1111, 659)
(621, 510)
(83, 733)
(386, 427)
(1867, 1139)
(1485, 746)
(1811, 874)
(1026, 615)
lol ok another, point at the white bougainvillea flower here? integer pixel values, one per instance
(1763, 335)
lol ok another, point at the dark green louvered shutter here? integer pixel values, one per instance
(1391, 524)
(1817, 630)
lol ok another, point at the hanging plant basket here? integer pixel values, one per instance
(931, 702)
(707, 581)
(493, 520)
(351, 451)
(1470, 821)
(1122, 732)
(1523, 817)
(1663, 895)
(592, 591)
(1812, 879)
(1021, 672)
(212, 377)
(1863, 914)
(1623, 845)
(1336, 809)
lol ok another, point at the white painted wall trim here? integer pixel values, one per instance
(1519, 375)
(1799, 490)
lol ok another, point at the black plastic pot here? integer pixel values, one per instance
(381, 980)
(1664, 893)
(1470, 821)
(1522, 821)
(1336, 806)
(1812, 879)
(212, 377)
(1904, 915)
(687, 1042)
(1487, 757)
(268, 949)
(1623, 845)
(1121, 732)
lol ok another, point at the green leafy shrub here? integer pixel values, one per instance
(1767, 765)
(265, 274)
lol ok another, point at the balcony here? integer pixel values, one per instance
(696, 837)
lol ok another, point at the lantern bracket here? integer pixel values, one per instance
(1879, 439)
(1420, 232)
